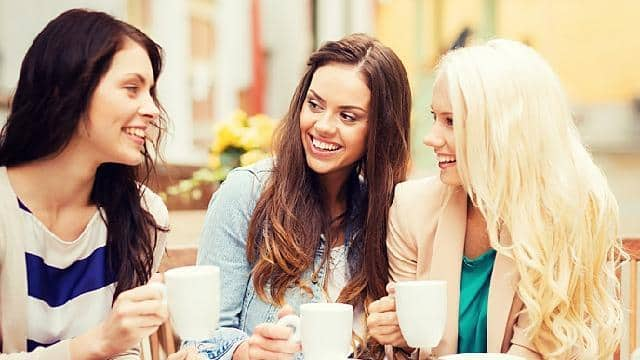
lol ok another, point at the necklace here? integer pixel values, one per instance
(316, 271)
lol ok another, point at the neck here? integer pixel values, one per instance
(334, 197)
(473, 213)
(63, 180)
(476, 237)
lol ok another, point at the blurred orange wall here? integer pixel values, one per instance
(593, 45)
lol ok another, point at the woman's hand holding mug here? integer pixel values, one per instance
(323, 329)
(269, 341)
(382, 321)
(136, 313)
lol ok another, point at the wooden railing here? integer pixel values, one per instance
(171, 174)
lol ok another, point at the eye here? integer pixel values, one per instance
(132, 89)
(449, 121)
(347, 117)
(313, 105)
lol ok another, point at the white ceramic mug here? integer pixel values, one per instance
(192, 294)
(324, 329)
(421, 307)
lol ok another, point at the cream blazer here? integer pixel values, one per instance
(425, 240)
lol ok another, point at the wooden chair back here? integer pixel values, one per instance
(632, 247)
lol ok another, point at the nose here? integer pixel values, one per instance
(324, 124)
(149, 110)
(434, 137)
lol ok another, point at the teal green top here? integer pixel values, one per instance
(474, 292)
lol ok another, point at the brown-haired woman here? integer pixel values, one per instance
(310, 225)
(79, 235)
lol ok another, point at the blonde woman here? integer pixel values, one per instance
(520, 223)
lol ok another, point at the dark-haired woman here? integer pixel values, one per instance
(79, 235)
(310, 225)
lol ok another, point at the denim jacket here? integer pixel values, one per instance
(223, 243)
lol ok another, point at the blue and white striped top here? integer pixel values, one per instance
(69, 287)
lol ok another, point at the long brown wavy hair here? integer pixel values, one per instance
(284, 231)
(59, 74)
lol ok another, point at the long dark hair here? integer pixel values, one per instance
(58, 77)
(289, 216)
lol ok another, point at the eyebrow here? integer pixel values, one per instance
(440, 112)
(346, 107)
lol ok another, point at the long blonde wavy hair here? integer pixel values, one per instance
(522, 162)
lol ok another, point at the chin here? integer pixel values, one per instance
(131, 160)
(449, 179)
(320, 170)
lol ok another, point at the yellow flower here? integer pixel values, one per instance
(252, 156)
(214, 160)
(239, 117)
(226, 134)
(242, 133)
(238, 139)
(263, 127)
(259, 120)
(251, 139)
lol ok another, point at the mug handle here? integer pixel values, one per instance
(292, 321)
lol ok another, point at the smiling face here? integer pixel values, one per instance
(334, 119)
(441, 136)
(121, 110)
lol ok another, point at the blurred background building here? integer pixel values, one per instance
(223, 55)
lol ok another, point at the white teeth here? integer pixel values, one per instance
(324, 146)
(446, 158)
(135, 132)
